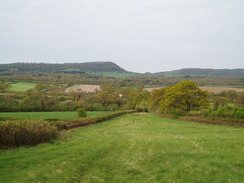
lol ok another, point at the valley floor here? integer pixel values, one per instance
(132, 148)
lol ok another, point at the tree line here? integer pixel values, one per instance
(177, 99)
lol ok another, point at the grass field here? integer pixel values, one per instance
(143, 148)
(115, 74)
(22, 86)
(45, 115)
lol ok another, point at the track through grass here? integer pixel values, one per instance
(132, 148)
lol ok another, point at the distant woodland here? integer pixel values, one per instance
(204, 72)
(88, 73)
(54, 68)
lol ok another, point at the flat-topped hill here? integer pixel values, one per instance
(66, 67)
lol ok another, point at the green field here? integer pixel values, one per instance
(72, 69)
(22, 86)
(130, 148)
(46, 115)
(115, 74)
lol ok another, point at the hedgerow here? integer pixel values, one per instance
(25, 133)
(16, 133)
(68, 124)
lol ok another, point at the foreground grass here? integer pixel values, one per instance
(22, 86)
(46, 115)
(143, 148)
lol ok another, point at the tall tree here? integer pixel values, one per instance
(184, 96)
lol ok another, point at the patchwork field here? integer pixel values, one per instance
(22, 86)
(132, 148)
(45, 115)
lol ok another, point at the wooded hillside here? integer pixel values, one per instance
(66, 67)
(204, 72)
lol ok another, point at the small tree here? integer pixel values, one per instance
(4, 86)
(240, 100)
(82, 113)
(219, 101)
(41, 87)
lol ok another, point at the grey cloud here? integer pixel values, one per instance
(139, 35)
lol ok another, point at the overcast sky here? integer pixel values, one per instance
(138, 35)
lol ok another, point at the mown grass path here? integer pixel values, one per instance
(130, 148)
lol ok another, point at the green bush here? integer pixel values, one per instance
(239, 113)
(204, 112)
(95, 107)
(25, 132)
(142, 106)
(214, 114)
(194, 113)
(82, 113)
(113, 107)
(176, 113)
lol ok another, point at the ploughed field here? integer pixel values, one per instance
(214, 89)
(132, 148)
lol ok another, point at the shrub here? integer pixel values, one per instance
(82, 113)
(213, 114)
(113, 107)
(142, 107)
(25, 132)
(176, 113)
(206, 112)
(194, 113)
(95, 107)
(239, 113)
(221, 111)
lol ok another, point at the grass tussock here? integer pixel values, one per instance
(25, 133)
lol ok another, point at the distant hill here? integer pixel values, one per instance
(203, 72)
(66, 67)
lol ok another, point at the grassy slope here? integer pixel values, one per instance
(45, 115)
(130, 148)
(22, 86)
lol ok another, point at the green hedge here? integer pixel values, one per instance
(16, 133)
(65, 124)
(25, 133)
